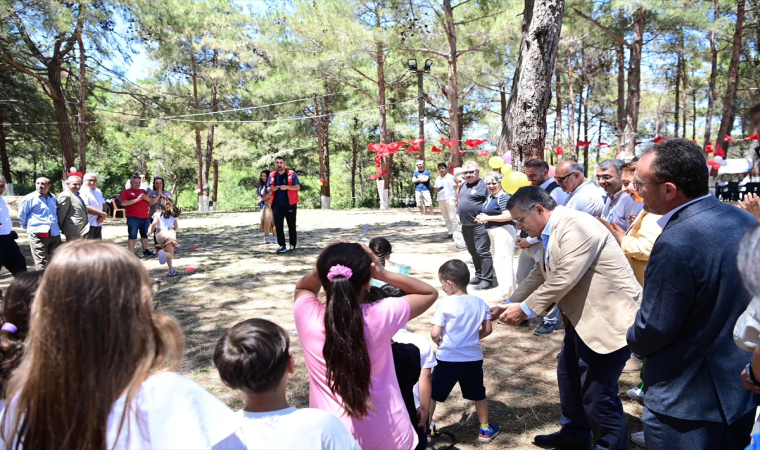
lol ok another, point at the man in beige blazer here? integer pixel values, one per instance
(582, 271)
(72, 211)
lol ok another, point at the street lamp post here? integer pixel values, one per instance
(420, 98)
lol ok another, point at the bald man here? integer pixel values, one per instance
(583, 194)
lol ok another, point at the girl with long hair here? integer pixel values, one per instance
(382, 248)
(15, 318)
(267, 216)
(89, 377)
(347, 343)
(166, 225)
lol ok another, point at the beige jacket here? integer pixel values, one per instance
(638, 242)
(72, 215)
(587, 277)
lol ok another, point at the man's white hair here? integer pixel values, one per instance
(470, 164)
(72, 179)
(90, 174)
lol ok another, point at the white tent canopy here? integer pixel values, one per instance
(735, 166)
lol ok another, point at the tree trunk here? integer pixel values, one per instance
(455, 159)
(620, 94)
(713, 77)
(726, 122)
(627, 147)
(684, 81)
(421, 115)
(503, 101)
(524, 132)
(679, 61)
(354, 157)
(325, 125)
(61, 116)
(383, 123)
(571, 122)
(4, 158)
(82, 112)
(585, 128)
(215, 198)
(558, 122)
(198, 144)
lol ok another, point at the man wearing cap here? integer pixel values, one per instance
(37, 214)
(72, 211)
(421, 180)
(10, 255)
(96, 205)
(137, 203)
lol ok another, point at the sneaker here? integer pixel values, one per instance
(173, 273)
(282, 250)
(545, 328)
(636, 394)
(433, 431)
(638, 439)
(487, 434)
(292, 249)
(148, 254)
(162, 256)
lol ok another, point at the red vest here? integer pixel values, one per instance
(292, 195)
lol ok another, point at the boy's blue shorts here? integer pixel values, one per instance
(469, 375)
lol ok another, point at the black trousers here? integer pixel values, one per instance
(588, 394)
(10, 255)
(282, 214)
(479, 246)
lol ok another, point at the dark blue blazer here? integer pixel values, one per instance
(693, 296)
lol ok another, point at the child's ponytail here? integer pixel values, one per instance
(344, 270)
(380, 247)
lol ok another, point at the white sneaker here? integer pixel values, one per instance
(638, 439)
(636, 394)
(162, 256)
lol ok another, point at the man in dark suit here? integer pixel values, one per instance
(692, 298)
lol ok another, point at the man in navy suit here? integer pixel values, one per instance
(693, 296)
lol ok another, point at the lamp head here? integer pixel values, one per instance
(412, 64)
(428, 65)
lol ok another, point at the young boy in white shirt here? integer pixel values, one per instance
(253, 356)
(459, 323)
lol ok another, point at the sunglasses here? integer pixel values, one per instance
(562, 179)
(468, 172)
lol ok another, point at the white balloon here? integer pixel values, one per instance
(718, 159)
(724, 163)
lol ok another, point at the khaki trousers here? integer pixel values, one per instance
(43, 249)
(449, 213)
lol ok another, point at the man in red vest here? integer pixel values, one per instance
(284, 186)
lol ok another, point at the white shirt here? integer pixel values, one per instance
(586, 198)
(427, 357)
(289, 428)
(666, 217)
(6, 226)
(448, 183)
(164, 223)
(460, 316)
(618, 207)
(95, 199)
(169, 412)
(557, 193)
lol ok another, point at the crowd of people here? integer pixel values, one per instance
(653, 275)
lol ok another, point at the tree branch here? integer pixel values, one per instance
(464, 22)
(28, 41)
(355, 86)
(25, 71)
(363, 75)
(609, 32)
(424, 50)
(474, 47)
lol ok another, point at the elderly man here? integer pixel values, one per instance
(72, 211)
(96, 205)
(619, 205)
(583, 193)
(421, 180)
(472, 195)
(693, 296)
(446, 194)
(10, 255)
(537, 172)
(136, 202)
(583, 272)
(37, 214)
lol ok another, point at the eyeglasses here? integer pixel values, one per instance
(520, 220)
(638, 184)
(562, 179)
(604, 177)
(468, 172)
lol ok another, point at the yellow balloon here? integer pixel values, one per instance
(506, 168)
(496, 162)
(514, 181)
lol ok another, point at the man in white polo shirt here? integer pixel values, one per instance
(445, 188)
(95, 202)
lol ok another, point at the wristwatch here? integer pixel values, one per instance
(750, 378)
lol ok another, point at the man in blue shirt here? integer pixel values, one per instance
(37, 214)
(421, 180)
(284, 186)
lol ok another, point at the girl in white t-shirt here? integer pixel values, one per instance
(165, 221)
(89, 375)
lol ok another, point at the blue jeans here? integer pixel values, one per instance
(135, 224)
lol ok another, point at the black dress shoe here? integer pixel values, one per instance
(557, 442)
(474, 280)
(545, 328)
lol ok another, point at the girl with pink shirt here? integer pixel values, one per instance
(347, 344)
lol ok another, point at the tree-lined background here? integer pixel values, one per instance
(229, 85)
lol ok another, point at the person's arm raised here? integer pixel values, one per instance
(309, 284)
(419, 294)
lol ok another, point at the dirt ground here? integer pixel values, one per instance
(238, 277)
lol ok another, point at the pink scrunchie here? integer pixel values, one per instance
(339, 271)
